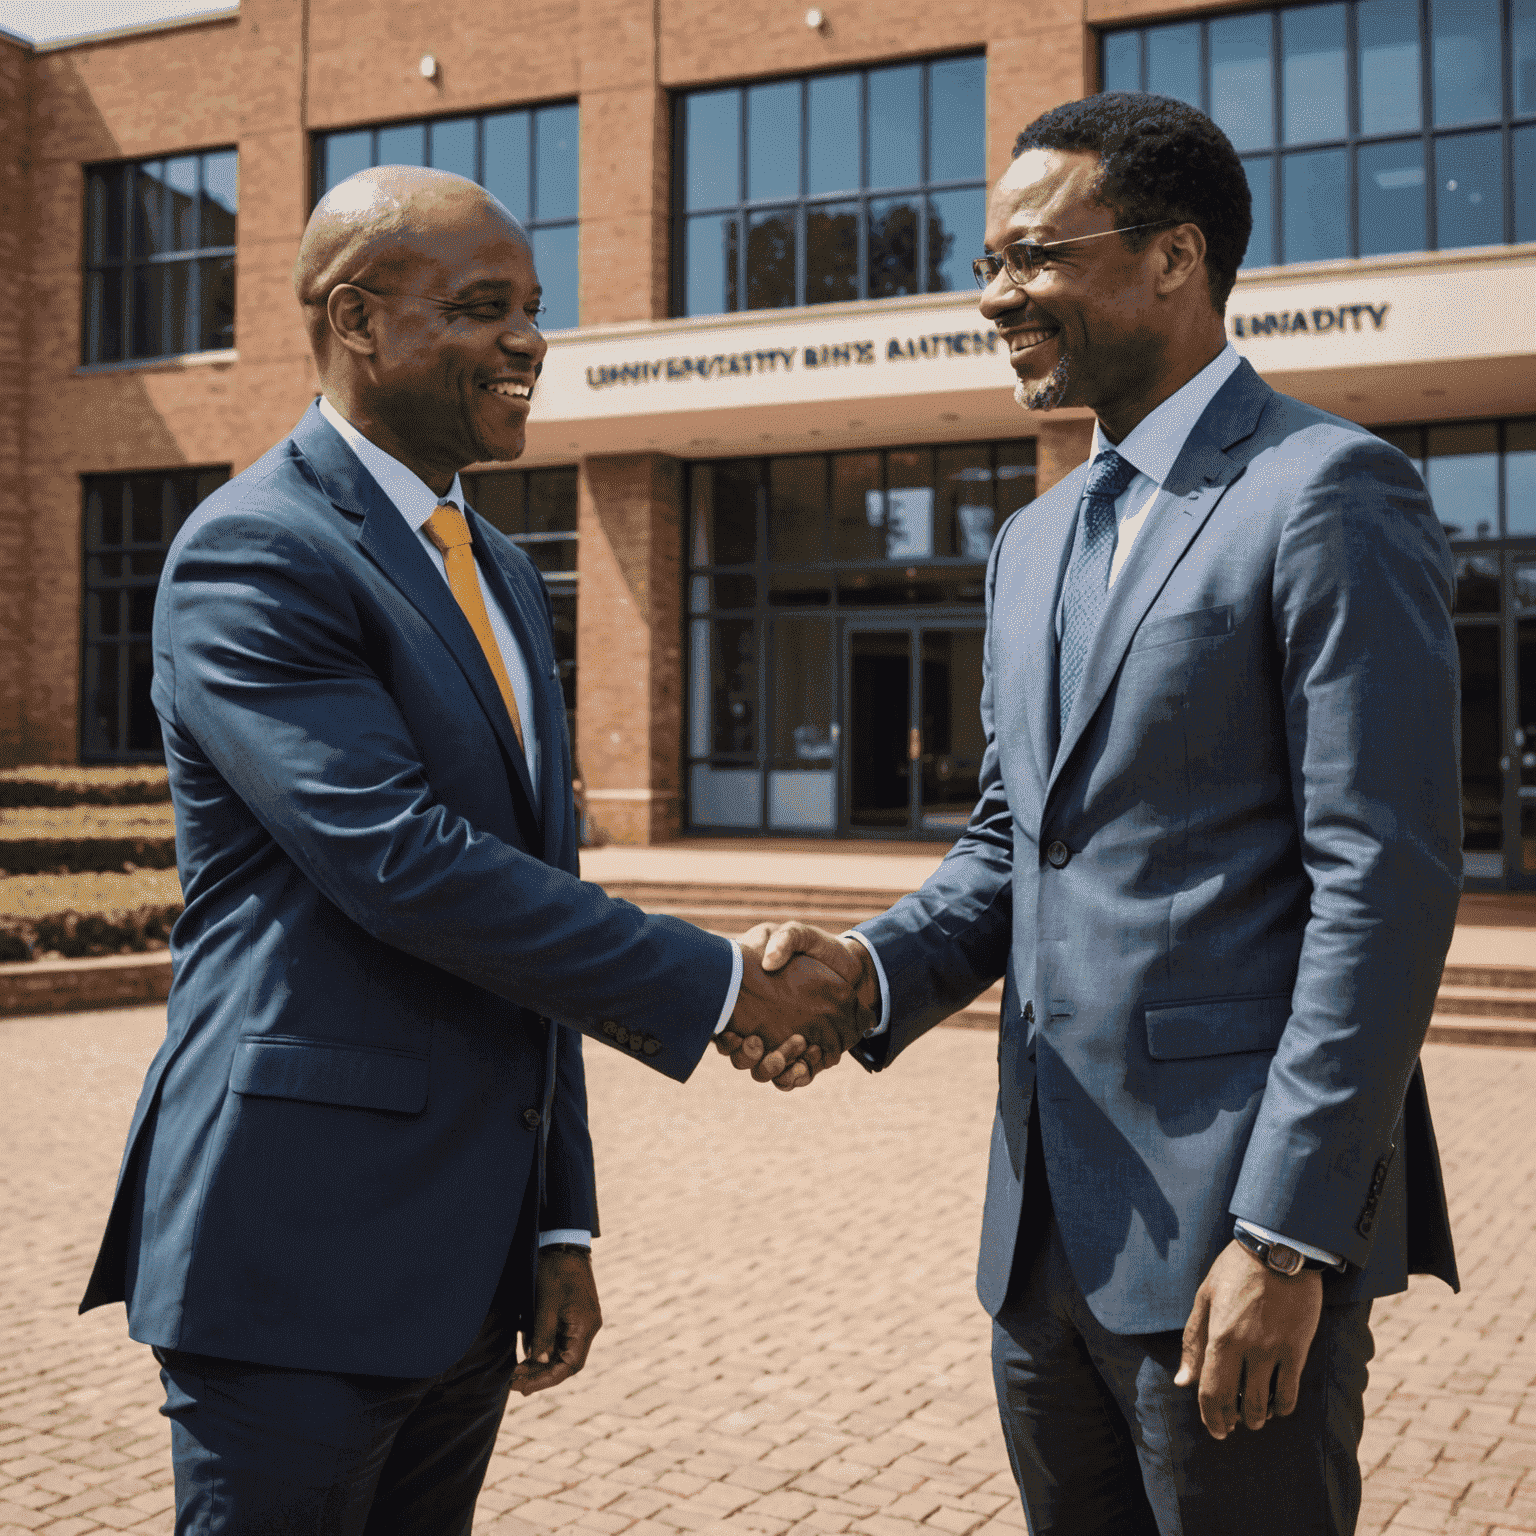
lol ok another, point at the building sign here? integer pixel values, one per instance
(840, 354)
(1311, 322)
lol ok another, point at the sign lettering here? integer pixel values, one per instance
(1302, 322)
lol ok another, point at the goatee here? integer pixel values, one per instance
(1048, 393)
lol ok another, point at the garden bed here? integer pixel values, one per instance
(78, 915)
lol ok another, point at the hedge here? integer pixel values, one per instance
(81, 915)
(44, 785)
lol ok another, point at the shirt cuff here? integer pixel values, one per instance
(578, 1235)
(733, 991)
(1332, 1260)
(885, 986)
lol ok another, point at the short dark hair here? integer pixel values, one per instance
(1160, 159)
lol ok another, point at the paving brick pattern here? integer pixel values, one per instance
(793, 1344)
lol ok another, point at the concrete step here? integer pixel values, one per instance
(1454, 1029)
(1486, 1002)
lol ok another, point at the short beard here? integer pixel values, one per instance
(1049, 392)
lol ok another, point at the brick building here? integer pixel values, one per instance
(773, 437)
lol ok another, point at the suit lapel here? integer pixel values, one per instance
(1199, 479)
(387, 539)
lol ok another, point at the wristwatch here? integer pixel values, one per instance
(1280, 1257)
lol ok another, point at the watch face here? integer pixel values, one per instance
(1284, 1260)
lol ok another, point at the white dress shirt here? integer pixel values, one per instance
(1151, 447)
(416, 501)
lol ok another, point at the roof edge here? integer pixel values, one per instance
(223, 13)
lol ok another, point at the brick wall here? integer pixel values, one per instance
(16, 76)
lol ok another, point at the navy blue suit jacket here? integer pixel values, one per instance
(1223, 899)
(387, 958)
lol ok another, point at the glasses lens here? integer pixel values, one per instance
(1021, 260)
(984, 269)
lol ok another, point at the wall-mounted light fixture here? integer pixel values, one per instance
(815, 18)
(428, 66)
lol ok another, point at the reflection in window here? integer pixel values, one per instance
(876, 178)
(1473, 469)
(159, 257)
(1328, 106)
(528, 159)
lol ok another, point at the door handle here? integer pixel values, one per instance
(914, 744)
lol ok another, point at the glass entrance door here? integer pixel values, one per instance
(913, 743)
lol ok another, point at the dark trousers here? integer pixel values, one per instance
(1103, 1444)
(264, 1451)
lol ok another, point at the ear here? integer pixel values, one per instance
(349, 313)
(1181, 256)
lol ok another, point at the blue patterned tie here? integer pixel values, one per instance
(1087, 584)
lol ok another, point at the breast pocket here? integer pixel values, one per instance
(1198, 625)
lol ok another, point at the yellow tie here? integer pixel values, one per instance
(450, 532)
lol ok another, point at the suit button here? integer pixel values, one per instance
(532, 1119)
(621, 1034)
(652, 1047)
(1058, 853)
(636, 1042)
(1029, 1013)
(610, 1028)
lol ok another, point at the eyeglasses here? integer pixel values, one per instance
(1026, 259)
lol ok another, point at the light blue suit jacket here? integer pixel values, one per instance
(1223, 901)
(387, 961)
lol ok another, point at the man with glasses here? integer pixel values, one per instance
(360, 1164)
(1217, 858)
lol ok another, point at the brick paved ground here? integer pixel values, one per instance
(712, 1401)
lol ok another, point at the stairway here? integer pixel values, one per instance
(1477, 1005)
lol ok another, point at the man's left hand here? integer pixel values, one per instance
(1249, 1328)
(566, 1317)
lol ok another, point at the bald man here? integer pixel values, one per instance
(360, 1163)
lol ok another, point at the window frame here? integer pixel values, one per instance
(744, 207)
(1427, 136)
(125, 266)
(202, 480)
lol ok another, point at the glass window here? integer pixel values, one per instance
(1242, 80)
(1315, 205)
(159, 275)
(1122, 61)
(128, 524)
(1388, 65)
(1314, 92)
(1464, 42)
(773, 141)
(1173, 61)
(1522, 27)
(1462, 472)
(1261, 188)
(1469, 192)
(957, 119)
(867, 169)
(832, 138)
(1391, 179)
(1386, 163)
(1520, 477)
(895, 127)
(847, 533)
(529, 159)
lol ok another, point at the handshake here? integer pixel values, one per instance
(806, 997)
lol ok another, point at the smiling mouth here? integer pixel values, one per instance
(509, 389)
(1024, 340)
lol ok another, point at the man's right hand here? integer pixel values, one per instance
(770, 1032)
